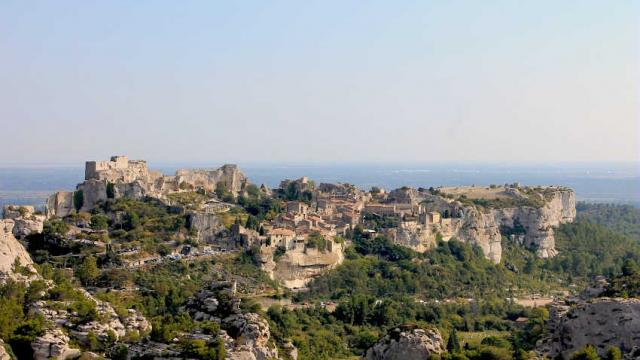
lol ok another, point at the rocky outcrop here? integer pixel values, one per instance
(109, 324)
(532, 226)
(251, 333)
(601, 322)
(25, 219)
(10, 251)
(245, 335)
(121, 177)
(53, 344)
(407, 344)
(205, 225)
(136, 322)
(296, 268)
(537, 223)
(59, 204)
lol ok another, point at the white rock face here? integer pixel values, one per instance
(10, 250)
(121, 177)
(416, 344)
(296, 268)
(481, 229)
(53, 344)
(539, 223)
(483, 226)
(602, 322)
(25, 219)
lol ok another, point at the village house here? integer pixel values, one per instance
(281, 237)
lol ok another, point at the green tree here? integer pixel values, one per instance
(120, 352)
(588, 353)
(630, 268)
(93, 342)
(110, 191)
(87, 271)
(613, 353)
(219, 347)
(99, 222)
(78, 199)
(453, 344)
(494, 353)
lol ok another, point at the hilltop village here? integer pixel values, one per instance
(133, 263)
(303, 231)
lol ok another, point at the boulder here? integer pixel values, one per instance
(251, 337)
(53, 344)
(407, 344)
(26, 221)
(136, 322)
(601, 322)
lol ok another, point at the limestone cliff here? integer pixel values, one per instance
(10, 251)
(121, 177)
(205, 225)
(538, 223)
(485, 225)
(295, 268)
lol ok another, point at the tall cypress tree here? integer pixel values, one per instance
(453, 345)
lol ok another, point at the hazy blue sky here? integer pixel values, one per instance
(320, 80)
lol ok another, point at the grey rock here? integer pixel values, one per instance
(601, 322)
(415, 344)
(53, 344)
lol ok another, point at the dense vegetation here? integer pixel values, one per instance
(382, 286)
(588, 249)
(624, 219)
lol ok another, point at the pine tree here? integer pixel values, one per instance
(453, 345)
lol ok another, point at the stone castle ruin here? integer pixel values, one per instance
(121, 177)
